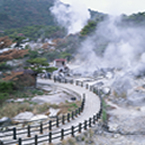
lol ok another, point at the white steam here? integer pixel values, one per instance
(114, 7)
(125, 46)
(73, 17)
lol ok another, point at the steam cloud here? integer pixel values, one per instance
(124, 50)
(125, 47)
(73, 17)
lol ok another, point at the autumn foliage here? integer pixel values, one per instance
(13, 54)
(20, 79)
(5, 42)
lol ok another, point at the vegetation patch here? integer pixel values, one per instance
(68, 107)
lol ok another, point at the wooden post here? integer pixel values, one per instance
(90, 88)
(14, 133)
(72, 131)
(29, 132)
(68, 117)
(76, 83)
(1, 143)
(97, 116)
(84, 97)
(94, 90)
(87, 86)
(63, 119)
(41, 128)
(36, 140)
(62, 134)
(82, 106)
(100, 112)
(65, 81)
(72, 115)
(20, 141)
(54, 79)
(85, 125)
(94, 119)
(57, 121)
(80, 127)
(72, 81)
(79, 110)
(90, 121)
(50, 137)
(50, 127)
(81, 84)
(76, 111)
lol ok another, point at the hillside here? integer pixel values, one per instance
(19, 13)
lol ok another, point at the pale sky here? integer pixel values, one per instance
(114, 7)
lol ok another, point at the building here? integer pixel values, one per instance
(59, 62)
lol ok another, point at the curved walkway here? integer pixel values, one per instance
(92, 103)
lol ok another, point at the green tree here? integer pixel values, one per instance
(90, 27)
(38, 65)
(4, 67)
(66, 55)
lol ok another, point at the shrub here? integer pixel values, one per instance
(3, 96)
(6, 86)
(74, 105)
(40, 93)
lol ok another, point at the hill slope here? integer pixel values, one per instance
(19, 13)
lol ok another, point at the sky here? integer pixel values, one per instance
(113, 7)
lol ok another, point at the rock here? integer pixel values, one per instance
(5, 121)
(143, 57)
(38, 100)
(39, 117)
(116, 135)
(99, 84)
(142, 109)
(78, 138)
(113, 127)
(106, 90)
(53, 112)
(24, 116)
(109, 75)
(19, 100)
(143, 86)
(10, 100)
(136, 98)
(73, 98)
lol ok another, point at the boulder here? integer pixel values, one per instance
(39, 117)
(136, 98)
(53, 112)
(10, 100)
(106, 90)
(5, 121)
(24, 116)
(109, 75)
(73, 98)
(113, 127)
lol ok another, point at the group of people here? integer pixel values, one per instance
(62, 72)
